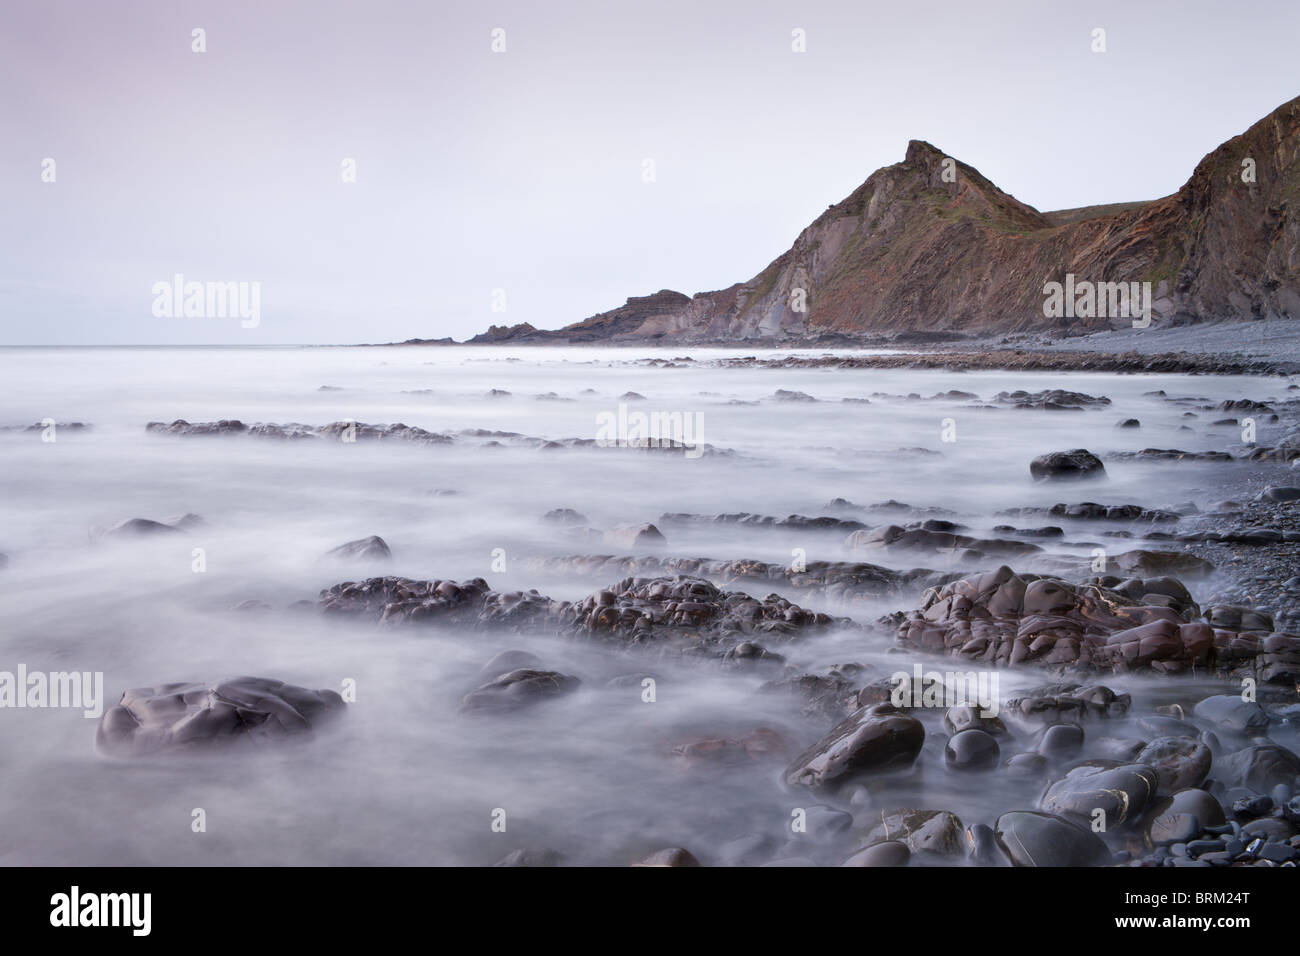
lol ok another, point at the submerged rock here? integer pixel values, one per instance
(373, 548)
(1001, 617)
(517, 689)
(205, 717)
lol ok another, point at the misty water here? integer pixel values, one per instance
(403, 778)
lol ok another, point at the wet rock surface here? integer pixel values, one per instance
(1002, 618)
(208, 717)
(688, 612)
(873, 740)
(1067, 466)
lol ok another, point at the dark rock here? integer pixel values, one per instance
(1179, 762)
(1059, 465)
(1120, 792)
(1259, 767)
(1182, 817)
(935, 832)
(1230, 712)
(517, 689)
(972, 749)
(871, 740)
(1043, 839)
(209, 717)
(1061, 741)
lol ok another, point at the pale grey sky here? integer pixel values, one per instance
(522, 170)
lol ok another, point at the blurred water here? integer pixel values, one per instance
(403, 778)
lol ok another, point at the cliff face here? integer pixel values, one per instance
(929, 244)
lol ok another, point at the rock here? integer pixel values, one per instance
(564, 516)
(1181, 817)
(982, 846)
(1028, 765)
(516, 689)
(1280, 494)
(936, 832)
(1152, 563)
(888, 853)
(1252, 807)
(1067, 465)
(208, 717)
(1120, 792)
(871, 740)
(1179, 762)
(682, 613)
(1061, 741)
(1042, 839)
(673, 856)
(1229, 712)
(783, 395)
(1128, 423)
(139, 527)
(972, 749)
(1002, 618)
(373, 548)
(1123, 749)
(1052, 399)
(1270, 828)
(1260, 767)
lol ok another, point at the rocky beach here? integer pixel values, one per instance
(876, 608)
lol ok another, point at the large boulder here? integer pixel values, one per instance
(1121, 792)
(1044, 839)
(870, 740)
(208, 717)
(1067, 465)
(1001, 617)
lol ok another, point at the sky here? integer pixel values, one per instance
(610, 149)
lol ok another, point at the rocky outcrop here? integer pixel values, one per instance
(1002, 618)
(930, 244)
(685, 613)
